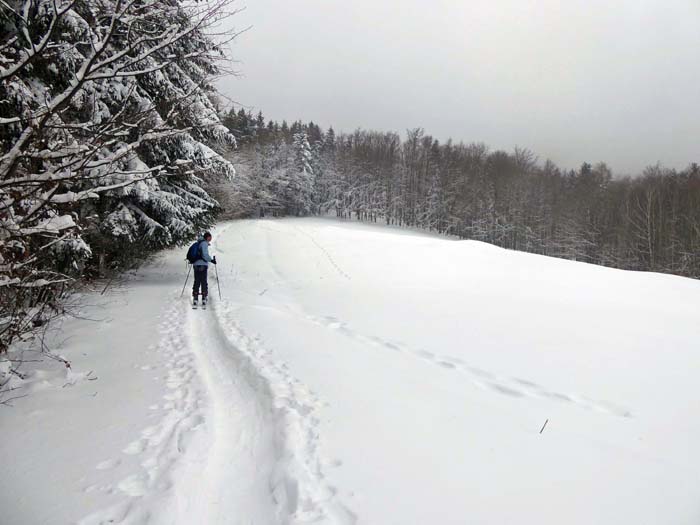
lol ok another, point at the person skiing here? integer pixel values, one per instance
(201, 265)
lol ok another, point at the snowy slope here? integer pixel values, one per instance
(363, 374)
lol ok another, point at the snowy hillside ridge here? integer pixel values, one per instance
(118, 136)
(359, 374)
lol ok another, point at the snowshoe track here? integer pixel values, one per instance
(160, 447)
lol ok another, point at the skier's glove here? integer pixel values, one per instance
(213, 260)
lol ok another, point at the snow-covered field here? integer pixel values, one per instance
(355, 373)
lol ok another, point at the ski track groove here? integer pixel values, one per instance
(298, 484)
(295, 484)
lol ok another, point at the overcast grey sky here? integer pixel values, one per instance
(573, 80)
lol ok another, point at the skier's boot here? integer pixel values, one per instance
(194, 302)
(204, 302)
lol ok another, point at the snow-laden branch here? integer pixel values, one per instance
(35, 50)
(94, 193)
(62, 175)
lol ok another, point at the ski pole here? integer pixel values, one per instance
(186, 279)
(216, 268)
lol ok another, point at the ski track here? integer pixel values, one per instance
(262, 464)
(297, 483)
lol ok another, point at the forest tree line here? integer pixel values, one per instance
(650, 222)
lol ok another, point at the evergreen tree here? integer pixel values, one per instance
(301, 177)
(106, 124)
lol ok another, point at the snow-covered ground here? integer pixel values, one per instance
(355, 373)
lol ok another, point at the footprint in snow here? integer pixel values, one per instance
(134, 485)
(556, 396)
(525, 382)
(502, 389)
(108, 464)
(136, 447)
(479, 372)
(107, 489)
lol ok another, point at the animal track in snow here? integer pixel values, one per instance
(324, 252)
(511, 387)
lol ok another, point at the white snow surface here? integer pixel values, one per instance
(360, 374)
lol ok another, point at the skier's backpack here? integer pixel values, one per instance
(194, 253)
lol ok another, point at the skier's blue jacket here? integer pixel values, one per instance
(203, 253)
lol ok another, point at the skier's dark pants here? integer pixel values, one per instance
(200, 279)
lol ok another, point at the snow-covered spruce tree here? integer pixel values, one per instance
(301, 177)
(104, 114)
(318, 163)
